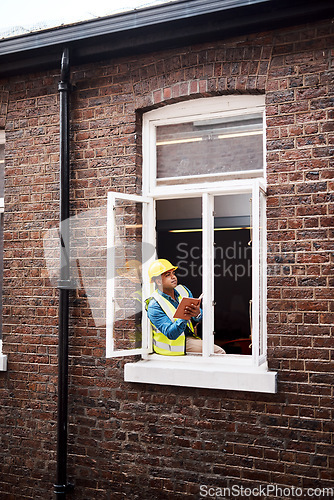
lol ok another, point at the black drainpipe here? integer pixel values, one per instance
(64, 284)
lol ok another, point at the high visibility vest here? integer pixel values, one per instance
(161, 343)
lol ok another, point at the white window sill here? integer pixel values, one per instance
(200, 373)
(3, 360)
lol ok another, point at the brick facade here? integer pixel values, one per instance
(145, 441)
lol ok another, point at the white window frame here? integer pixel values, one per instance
(236, 372)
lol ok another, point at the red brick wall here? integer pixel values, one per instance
(146, 441)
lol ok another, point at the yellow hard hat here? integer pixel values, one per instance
(131, 270)
(159, 267)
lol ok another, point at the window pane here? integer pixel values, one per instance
(179, 239)
(233, 273)
(126, 275)
(220, 146)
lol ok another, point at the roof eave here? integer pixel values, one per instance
(168, 25)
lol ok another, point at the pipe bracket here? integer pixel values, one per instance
(62, 489)
(66, 284)
(64, 87)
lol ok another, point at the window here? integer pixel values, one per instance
(3, 358)
(202, 208)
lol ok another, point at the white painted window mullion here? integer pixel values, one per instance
(263, 275)
(110, 309)
(149, 238)
(208, 274)
(255, 273)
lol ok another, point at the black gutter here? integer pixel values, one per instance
(155, 28)
(64, 284)
(184, 9)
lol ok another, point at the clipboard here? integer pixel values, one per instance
(186, 301)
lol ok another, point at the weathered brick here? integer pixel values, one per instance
(146, 441)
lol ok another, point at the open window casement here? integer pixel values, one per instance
(259, 275)
(128, 252)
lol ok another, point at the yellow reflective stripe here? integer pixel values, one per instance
(163, 345)
(182, 290)
(168, 347)
(165, 305)
(169, 309)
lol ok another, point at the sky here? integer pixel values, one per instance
(22, 16)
